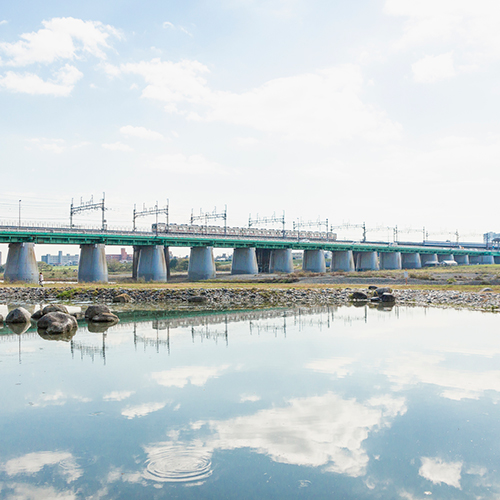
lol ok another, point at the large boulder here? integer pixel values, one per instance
(37, 315)
(388, 298)
(380, 291)
(95, 310)
(57, 322)
(18, 315)
(54, 308)
(359, 296)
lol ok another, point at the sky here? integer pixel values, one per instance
(376, 111)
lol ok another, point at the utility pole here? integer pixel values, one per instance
(19, 213)
(268, 220)
(156, 210)
(87, 206)
(211, 216)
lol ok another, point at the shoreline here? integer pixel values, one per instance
(250, 296)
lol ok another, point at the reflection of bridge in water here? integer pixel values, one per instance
(200, 325)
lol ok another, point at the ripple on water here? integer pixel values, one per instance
(178, 464)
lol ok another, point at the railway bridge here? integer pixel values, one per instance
(254, 251)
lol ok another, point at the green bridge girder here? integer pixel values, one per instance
(117, 238)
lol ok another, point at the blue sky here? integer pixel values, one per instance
(382, 111)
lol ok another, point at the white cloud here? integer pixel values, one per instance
(142, 410)
(169, 25)
(141, 133)
(60, 86)
(59, 39)
(34, 462)
(430, 69)
(53, 145)
(439, 471)
(470, 27)
(118, 395)
(117, 146)
(322, 107)
(246, 141)
(196, 375)
(180, 163)
(3, 22)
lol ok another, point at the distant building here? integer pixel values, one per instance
(123, 256)
(61, 260)
(491, 239)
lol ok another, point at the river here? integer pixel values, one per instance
(340, 402)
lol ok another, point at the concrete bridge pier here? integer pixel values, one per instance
(462, 260)
(152, 265)
(244, 261)
(390, 260)
(201, 264)
(21, 263)
(93, 266)
(314, 261)
(429, 259)
(281, 261)
(445, 256)
(411, 261)
(343, 261)
(481, 259)
(263, 259)
(135, 261)
(367, 261)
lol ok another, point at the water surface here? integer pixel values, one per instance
(313, 403)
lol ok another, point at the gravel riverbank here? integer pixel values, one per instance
(232, 298)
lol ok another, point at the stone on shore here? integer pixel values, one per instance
(18, 315)
(359, 296)
(122, 298)
(57, 322)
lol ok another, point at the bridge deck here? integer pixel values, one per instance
(67, 236)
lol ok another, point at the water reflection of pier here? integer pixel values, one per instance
(201, 326)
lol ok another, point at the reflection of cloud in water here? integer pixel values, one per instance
(252, 398)
(196, 375)
(317, 431)
(58, 398)
(29, 492)
(333, 366)
(439, 471)
(142, 410)
(178, 462)
(118, 395)
(456, 383)
(34, 462)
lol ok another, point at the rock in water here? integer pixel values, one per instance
(95, 310)
(54, 308)
(359, 296)
(57, 322)
(382, 290)
(18, 315)
(388, 297)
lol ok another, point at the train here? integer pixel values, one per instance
(241, 232)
